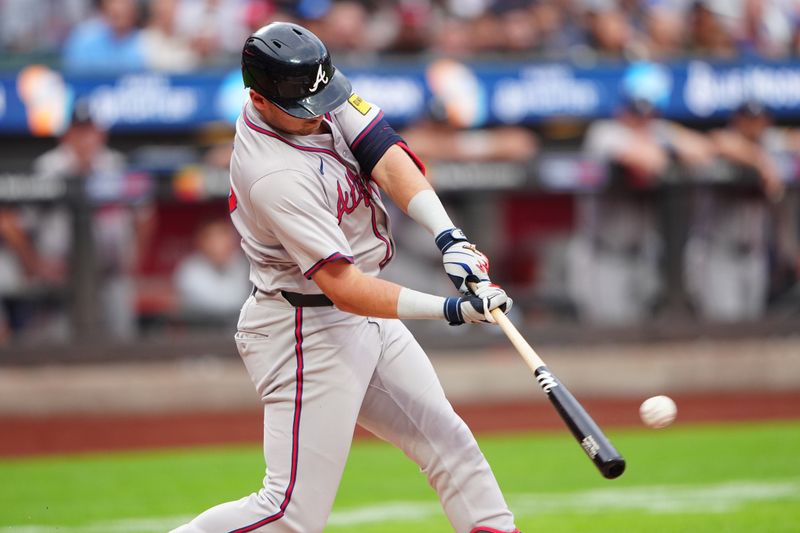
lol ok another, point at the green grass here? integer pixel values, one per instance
(723, 478)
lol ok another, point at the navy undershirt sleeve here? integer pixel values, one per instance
(373, 142)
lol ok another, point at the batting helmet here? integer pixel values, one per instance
(289, 66)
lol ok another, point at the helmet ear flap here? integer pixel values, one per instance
(250, 81)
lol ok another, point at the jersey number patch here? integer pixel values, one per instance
(361, 105)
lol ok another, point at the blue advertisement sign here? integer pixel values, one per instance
(38, 100)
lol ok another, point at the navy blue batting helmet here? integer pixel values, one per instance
(289, 66)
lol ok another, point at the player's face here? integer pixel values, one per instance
(281, 120)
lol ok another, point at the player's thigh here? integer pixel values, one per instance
(311, 378)
(405, 403)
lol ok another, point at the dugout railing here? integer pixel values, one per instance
(541, 315)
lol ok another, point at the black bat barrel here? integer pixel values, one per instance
(588, 434)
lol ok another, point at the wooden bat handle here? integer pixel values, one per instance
(530, 356)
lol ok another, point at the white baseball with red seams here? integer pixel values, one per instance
(658, 412)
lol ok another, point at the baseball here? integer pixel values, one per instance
(658, 412)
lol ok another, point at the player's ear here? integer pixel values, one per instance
(257, 99)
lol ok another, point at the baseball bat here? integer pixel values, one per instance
(585, 430)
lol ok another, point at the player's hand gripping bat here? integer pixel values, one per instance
(585, 430)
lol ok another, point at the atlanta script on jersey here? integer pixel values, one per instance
(301, 201)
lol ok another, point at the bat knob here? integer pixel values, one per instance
(613, 468)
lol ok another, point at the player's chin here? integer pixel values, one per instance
(309, 126)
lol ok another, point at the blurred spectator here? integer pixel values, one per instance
(664, 29)
(609, 30)
(414, 24)
(727, 257)
(164, 49)
(23, 273)
(212, 282)
(217, 142)
(437, 138)
(767, 26)
(558, 24)
(38, 25)
(453, 38)
(108, 42)
(613, 262)
(119, 231)
(259, 13)
(518, 24)
(213, 27)
(344, 27)
(708, 34)
(20, 259)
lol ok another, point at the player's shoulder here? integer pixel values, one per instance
(354, 115)
(355, 106)
(281, 170)
(268, 165)
(258, 151)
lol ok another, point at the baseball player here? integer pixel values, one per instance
(319, 335)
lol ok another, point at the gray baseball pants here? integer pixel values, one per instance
(318, 372)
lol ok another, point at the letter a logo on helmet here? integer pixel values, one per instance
(321, 77)
(291, 67)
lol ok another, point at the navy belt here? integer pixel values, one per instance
(306, 300)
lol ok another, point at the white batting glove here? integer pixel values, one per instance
(476, 308)
(462, 261)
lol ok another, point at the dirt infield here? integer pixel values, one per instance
(35, 435)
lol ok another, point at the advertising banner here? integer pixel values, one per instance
(38, 100)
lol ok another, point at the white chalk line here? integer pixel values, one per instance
(656, 499)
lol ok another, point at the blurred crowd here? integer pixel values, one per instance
(739, 225)
(604, 255)
(181, 35)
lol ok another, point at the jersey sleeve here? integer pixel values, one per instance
(293, 206)
(368, 134)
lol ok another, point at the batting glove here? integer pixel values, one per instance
(462, 261)
(476, 308)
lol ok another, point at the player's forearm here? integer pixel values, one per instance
(397, 174)
(384, 299)
(366, 296)
(354, 292)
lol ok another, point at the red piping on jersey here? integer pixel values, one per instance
(366, 130)
(335, 256)
(417, 161)
(233, 202)
(259, 129)
(389, 253)
(484, 529)
(333, 154)
(298, 404)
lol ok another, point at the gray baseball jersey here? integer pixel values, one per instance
(302, 201)
(298, 203)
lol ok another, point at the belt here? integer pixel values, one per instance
(302, 300)
(306, 300)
